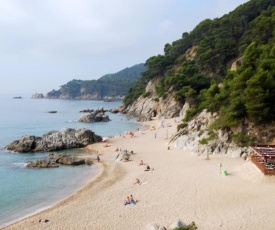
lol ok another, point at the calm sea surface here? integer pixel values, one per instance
(24, 191)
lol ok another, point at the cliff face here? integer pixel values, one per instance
(151, 106)
(197, 138)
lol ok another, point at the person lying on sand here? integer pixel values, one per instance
(147, 168)
(41, 221)
(137, 181)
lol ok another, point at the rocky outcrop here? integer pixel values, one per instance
(196, 137)
(237, 63)
(42, 164)
(56, 159)
(122, 156)
(37, 96)
(87, 111)
(151, 106)
(95, 116)
(179, 224)
(116, 110)
(67, 138)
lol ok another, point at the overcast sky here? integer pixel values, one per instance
(46, 43)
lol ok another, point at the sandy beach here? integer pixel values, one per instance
(181, 186)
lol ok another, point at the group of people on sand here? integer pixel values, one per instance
(41, 221)
(129, 200)
(147, 166)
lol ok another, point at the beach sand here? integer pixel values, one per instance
(181, 186)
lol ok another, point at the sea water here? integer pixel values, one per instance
(24, 191)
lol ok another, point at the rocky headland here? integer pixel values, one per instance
(94, 116)
(38, 96)
(67, 138)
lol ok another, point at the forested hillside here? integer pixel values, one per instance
(196, 69)
(110, 85)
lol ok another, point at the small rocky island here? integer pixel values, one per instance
(56, 159)
(94, 116)
(38, 96)
(67, 138)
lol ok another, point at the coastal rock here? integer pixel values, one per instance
(37, 96)
(152, 106)
(196, 138)
(116, 110)
(87, 111)
(71, 160)
(55, 156)
(67, 138)
(237, 63)
(89, 161)
(42, 164)
(95, 116)
(122, 156)
(178, 224)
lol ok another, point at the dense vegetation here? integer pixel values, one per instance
(196, 67)
(109, 85)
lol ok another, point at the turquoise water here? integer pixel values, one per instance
(24, 191)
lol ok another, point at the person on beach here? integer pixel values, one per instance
(132, 199)
(97, 158)
(41, 221)
(147, 168)
(141, 162)
(137, 181)
(127, 201)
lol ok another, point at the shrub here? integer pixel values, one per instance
(146, 94)
(241, 139)
(203, 141)
(201, 132)
(181, 126)
(190, 113)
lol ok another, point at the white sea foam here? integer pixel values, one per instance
(20, 164)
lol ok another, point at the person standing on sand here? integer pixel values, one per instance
(132, 199)
(137, 181)
(97, 158)
(127, 201)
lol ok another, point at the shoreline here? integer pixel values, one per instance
(59, 197)
(181, 186)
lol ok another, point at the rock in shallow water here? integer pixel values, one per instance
(67, 138)
(42, 164)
